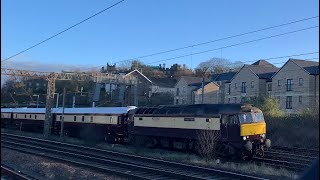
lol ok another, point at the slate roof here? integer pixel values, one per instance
(311, 67)
(164, 82)
(199, 84)
(223, 76)
(263, 63)
(313, 70)
(191, 80)
(263, 72)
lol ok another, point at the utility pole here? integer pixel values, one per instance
(202, 93)
(62, 118)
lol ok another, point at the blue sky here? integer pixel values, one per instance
(140, 27)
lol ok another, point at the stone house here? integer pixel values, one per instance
(222, 79)
(296, 85)
(184, 89)
(249, 82)
(210, 93)
(147, 87)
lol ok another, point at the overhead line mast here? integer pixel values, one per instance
(51, 77)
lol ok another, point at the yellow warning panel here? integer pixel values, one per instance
(252, 129)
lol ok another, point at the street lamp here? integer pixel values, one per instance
(37, 99)
(57, 99)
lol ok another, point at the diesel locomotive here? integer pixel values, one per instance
(241, 128)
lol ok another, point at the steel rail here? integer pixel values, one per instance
(178, 170)
(13, 174)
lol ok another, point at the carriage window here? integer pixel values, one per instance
(35, 116)
(91, 119)
(60, 117)
(82, 118)
(25, 116)
(74, 118)
(16, 115)
(30, 116)
(140, 118)
(208, 120)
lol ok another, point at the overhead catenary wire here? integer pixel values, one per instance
(219, 48)
(63, 31)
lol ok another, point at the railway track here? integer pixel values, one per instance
(126, 165)
(10, 173)
(296, 159)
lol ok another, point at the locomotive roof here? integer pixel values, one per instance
(196, 109)
(95, 110)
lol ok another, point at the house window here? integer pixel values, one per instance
(177, 101)
(270, 87)
(229, 89)
(300, 99)
(74, 118)
(243, 87)
(289, 84)
(289, 102)
(252, 84)
(177, 93)
(235, 85)
(279, 83)
(300, 82)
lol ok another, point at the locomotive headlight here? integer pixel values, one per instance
(244, 138)
(263, 135)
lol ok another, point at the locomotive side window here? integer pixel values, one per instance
(233, 119)
(224, 119)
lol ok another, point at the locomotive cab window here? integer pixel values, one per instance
(253, 117)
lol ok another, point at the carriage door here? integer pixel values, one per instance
(224, 127)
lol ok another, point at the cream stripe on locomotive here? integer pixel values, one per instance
(178, 122)
(89, 119)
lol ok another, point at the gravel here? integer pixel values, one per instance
(45, 168)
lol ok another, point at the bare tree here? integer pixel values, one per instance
(207, 143)
(217, 65)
